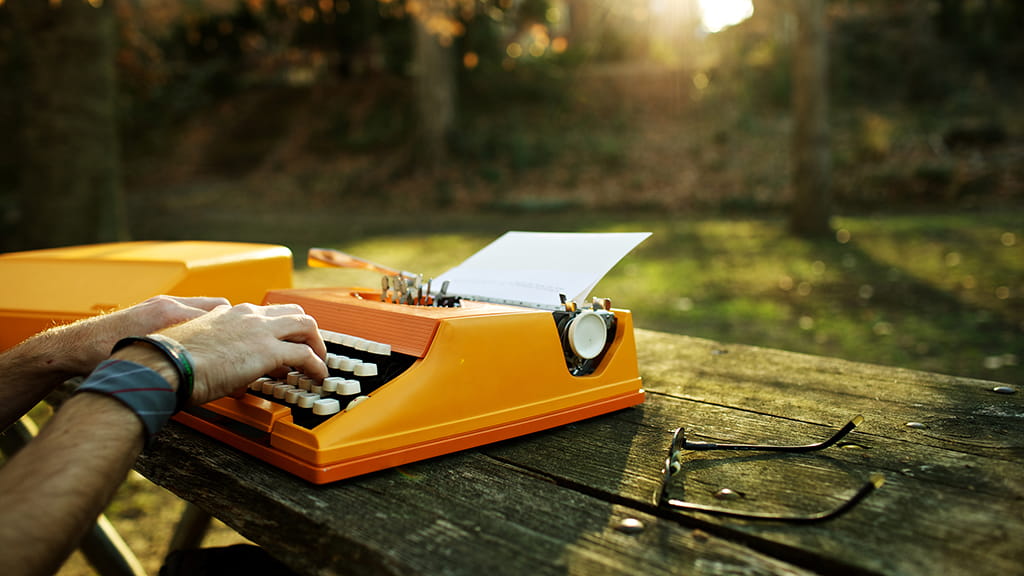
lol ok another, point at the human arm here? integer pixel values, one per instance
(36, 366)
(56, 486)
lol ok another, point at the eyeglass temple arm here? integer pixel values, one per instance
(688, 445)
(876, 481)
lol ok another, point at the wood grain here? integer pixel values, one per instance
(552, 502)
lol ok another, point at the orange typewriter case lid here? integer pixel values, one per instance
(43, 288)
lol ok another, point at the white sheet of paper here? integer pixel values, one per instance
(533, 268)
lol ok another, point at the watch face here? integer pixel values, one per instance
(587, 334)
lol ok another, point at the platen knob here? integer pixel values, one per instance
(587, 334)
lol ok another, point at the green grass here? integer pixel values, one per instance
(940, 292)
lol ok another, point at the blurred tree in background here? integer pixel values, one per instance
(479, 103)
(811, 151)
(66, 149)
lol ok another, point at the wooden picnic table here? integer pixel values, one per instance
(579, 499)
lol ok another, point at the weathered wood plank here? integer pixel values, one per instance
(958, 413)
(549, 502)
(934, 515)
(460, 514)
(936, 481)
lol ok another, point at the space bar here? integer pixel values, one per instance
(250, 410)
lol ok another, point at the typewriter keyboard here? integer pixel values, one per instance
(357, 367)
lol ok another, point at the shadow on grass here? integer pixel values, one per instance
(916, 291)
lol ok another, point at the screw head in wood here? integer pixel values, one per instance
(630, 526)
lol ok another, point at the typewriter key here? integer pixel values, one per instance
(347, 391)
(293, 378)
(302, 414)
(346, 367)
(334, 361)
(323, 410)
(379, 349)
(291, 396)
(334, 341)
(348, 344)
(281, 390)
(366, 374)
(362, 345)
(330, 384)
(307, 399)
(379, 353)
(326, 407)
(269, 387)
(306, 383)
(257, 384)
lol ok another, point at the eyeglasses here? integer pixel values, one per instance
(673, 465)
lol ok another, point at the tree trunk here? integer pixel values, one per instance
(434, 71)
(70, 175)
(811, 155)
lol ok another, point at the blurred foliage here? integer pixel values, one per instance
(12, 71)
(309, 41)
(912, 52)
(922, 93)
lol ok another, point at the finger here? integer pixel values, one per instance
(163, 311)
(276, 310)
(204, 303)
(280, 372)
(299, 328)
(302, 358)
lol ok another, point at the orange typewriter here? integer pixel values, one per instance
(418, 372)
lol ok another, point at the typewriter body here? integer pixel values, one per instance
(447, 374)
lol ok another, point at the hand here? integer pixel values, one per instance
(88, 342)
(35, 367)
(232, 346)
